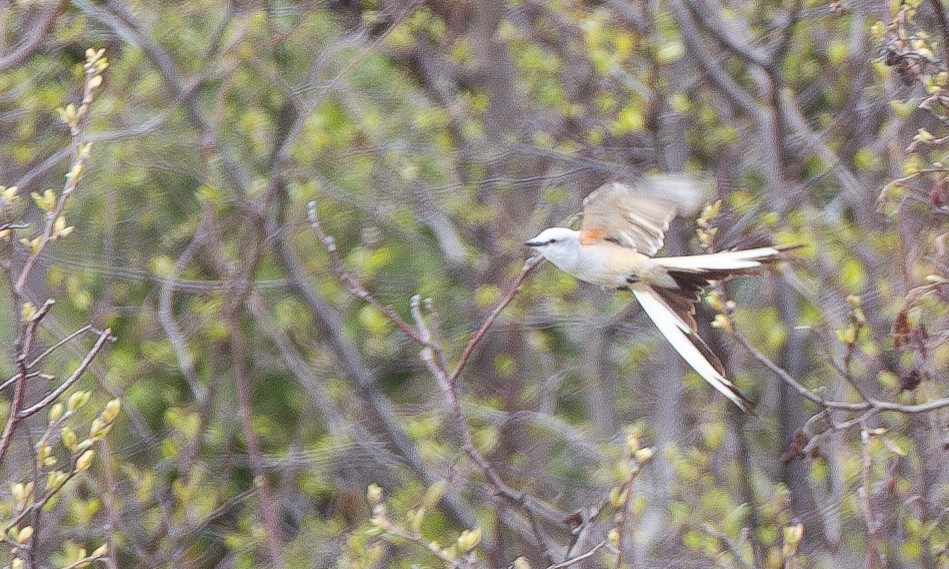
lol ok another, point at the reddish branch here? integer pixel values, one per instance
(352, 285)
(447, 385)
(431, 356)
(529, 266)
(25, 345)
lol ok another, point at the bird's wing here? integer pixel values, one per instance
(616, 212)
(683, 337)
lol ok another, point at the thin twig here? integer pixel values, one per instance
(167, 319)
(59, 344)
(352, 285)
(622, 513)
(25, 345)
(729, 544)
(815, 441)
(528, 268)
(585, 555)
(104, 336)
(869, 404)
(348, 356)
(38, 30)
(79, 154)
(30, 375)
(788, 379)
(447, 386)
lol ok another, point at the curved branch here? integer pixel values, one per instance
(39, 30)
(869, 404)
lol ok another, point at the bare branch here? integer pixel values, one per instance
(869, 404)
(728, 33)
(24, 343)
(447, 385)
(330, 321)
(167, 318)
(268, 505)
(577, 559)
(104, 336)
(352, 285)
(528, 268)
(59, 344)
(943, 23)
(38, 31)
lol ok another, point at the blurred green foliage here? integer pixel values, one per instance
(435, 138)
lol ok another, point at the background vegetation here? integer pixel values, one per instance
(227, 380)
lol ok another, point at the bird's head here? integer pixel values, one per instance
(554, 243)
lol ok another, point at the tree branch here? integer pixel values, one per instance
(104, 336)
(39, 30)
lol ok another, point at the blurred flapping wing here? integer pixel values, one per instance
(616, 212)
(637, 216)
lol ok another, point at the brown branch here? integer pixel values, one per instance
(727, 33)
(59, 344)
(104, 336)
(39, 30)
(722, 80)
(240, 274)
(943, 23)
(869, 404)
(267, 504)
(780, 49)
(835, 427)
(621, 517)
(431, 356)
(352, 285)
(793, 383)
(349, 357)
(528, 268)
(447, 385)
(577, 559)
(25, 345)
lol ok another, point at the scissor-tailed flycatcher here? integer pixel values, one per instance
(621, 230)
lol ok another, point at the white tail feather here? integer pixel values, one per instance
(724, 261)
(676, 332)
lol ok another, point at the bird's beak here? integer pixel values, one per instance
(531, 243)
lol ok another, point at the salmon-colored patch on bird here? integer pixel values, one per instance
(590, 237)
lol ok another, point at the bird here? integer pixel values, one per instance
(623, 228)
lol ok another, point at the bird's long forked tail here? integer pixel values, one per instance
(717, 266)
(689, 345)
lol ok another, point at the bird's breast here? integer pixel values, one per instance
(611, 266)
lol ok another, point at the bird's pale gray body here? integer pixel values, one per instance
(606, 264)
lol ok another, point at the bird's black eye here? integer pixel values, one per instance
(551, 241)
